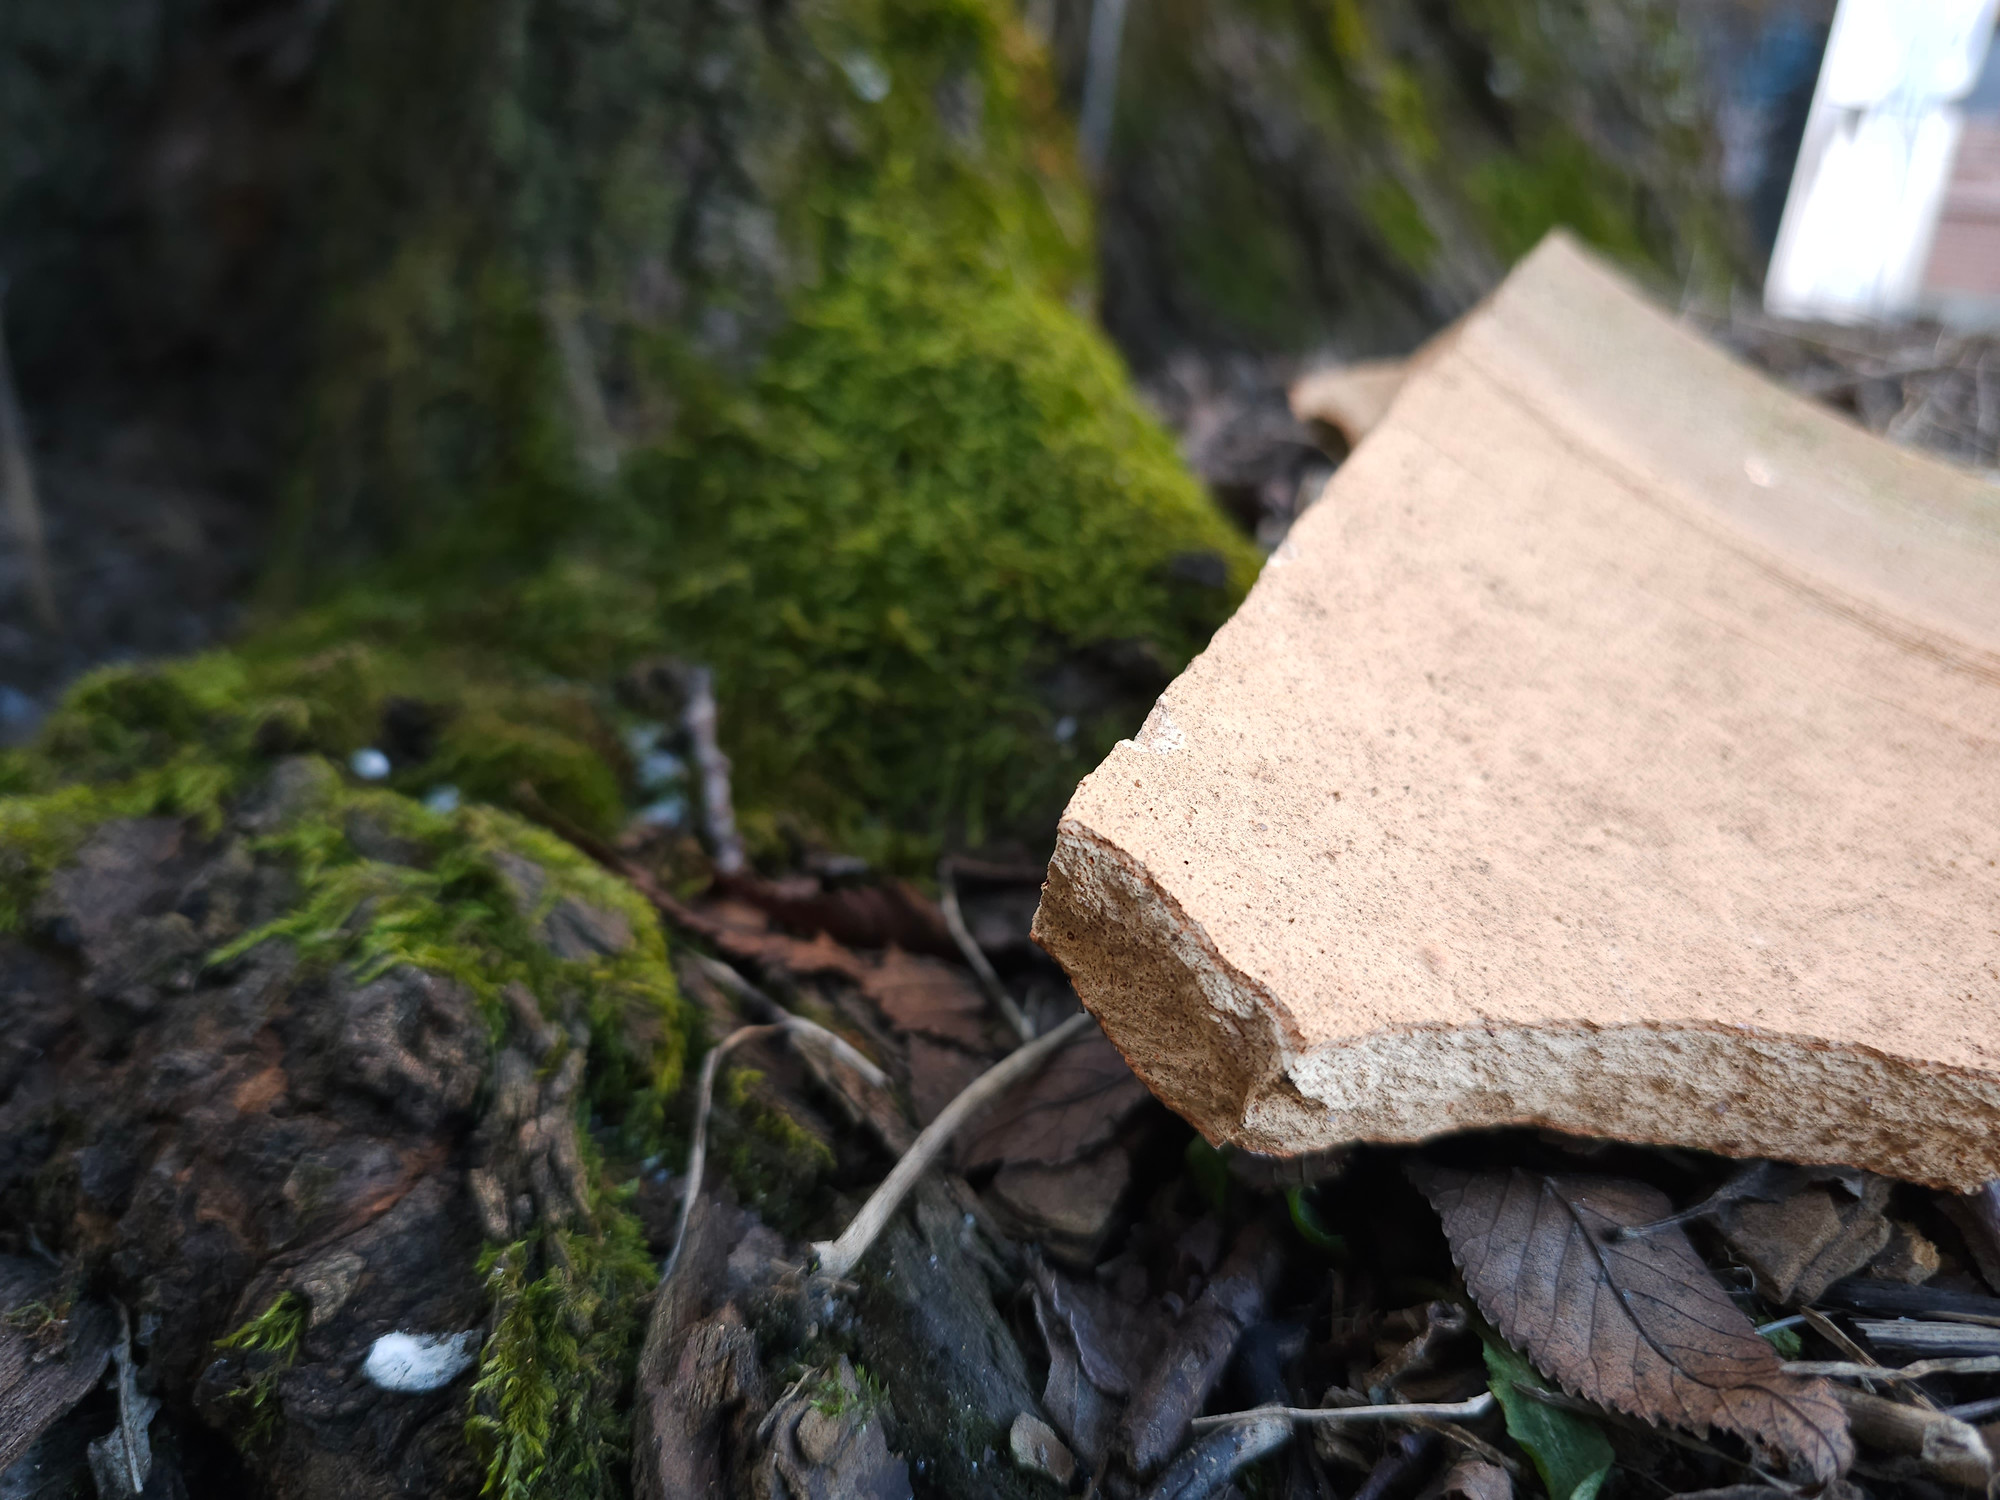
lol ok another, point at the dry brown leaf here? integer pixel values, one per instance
(1073, 1106)
(1639, 1325)
(1473, 1478)
(870, 916)
(929, 998)
(744, 934)
(939, 1073)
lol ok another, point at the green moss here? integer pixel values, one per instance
(888, 507)
(450, 907)
(551, 1409)
(1425, 148)
(775, 1161)
(1558, 181)
(41, 830)
(275, 1331)
(832, 1397)
(271, 1339)
(954, 489)
(1400, 221)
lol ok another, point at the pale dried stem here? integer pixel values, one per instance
(840, 1257)
(799, 1027)
(1434, 1411)
(975, 956)
(698, 1154)
(1923, 1369)
(783, 1023)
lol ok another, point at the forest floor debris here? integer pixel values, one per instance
(1324, 1332)
(923, 1231)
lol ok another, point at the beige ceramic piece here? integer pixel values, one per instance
(1350, 399)
(1615, 748)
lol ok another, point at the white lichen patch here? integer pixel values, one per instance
(420, 1361)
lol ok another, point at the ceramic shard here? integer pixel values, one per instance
(1614, 749)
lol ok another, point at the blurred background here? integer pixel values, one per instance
(830, 342)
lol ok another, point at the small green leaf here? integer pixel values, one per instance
(1306, 1219)
(1210, 1170)
(1571, 1453)
(1785, 1340)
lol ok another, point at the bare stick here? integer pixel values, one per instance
(797, 1027)
(975, 956)
(840, 1257)
(717, 810)
(782, 1023)
(698, 1156)
(17, 480)
(1923, 1369)
(1441, 1411)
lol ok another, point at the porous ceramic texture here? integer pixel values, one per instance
(1614, 749)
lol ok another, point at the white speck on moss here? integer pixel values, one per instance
(368, 763)
(420, 1361)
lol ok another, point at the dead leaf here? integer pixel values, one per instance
(1074, 1105)
(938, 1075)
(1638, 1325)
(1801, 1244)
(1473, 1479)
(1976, 1216)
(1068, 1209)
(1909, 1257)
(1169, 1395)
(868, 916)
(1112, 1337)
(928, 998)
(1085, 1414)
(744, 934)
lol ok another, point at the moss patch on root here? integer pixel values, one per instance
(381, 880)
(551, 1407)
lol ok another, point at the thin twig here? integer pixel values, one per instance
(131, 1429)
(1444, 1411)
(798, 1027)
(698, 1155)
(1832, 1332)
(783, 1023)
(1598, 1413)
(1923, 1369)
(17, 482)
(840, 1257)
(975, 956)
